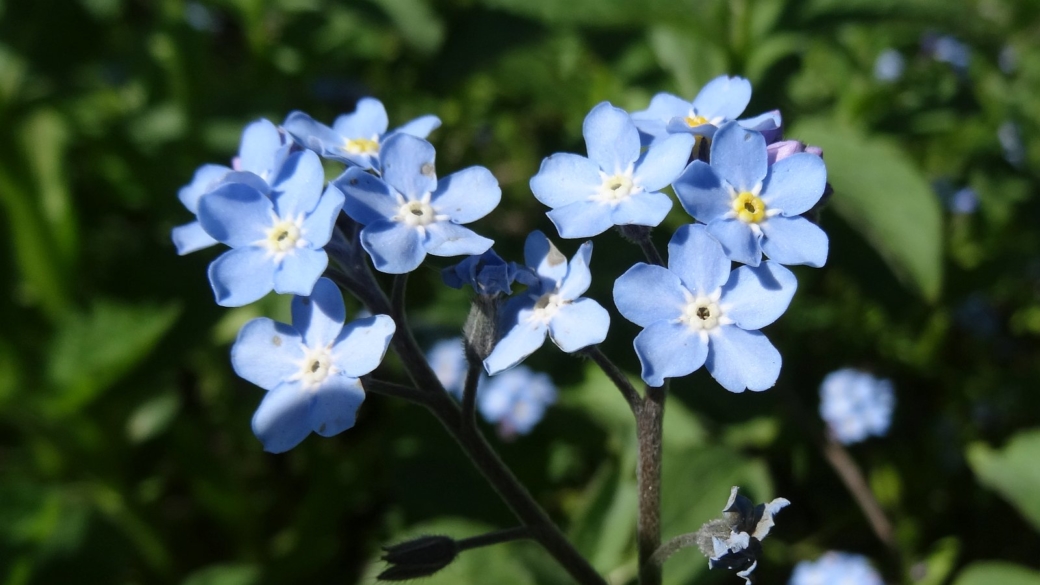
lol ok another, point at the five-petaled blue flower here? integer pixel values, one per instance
(752, 207)
(720, 101)
(697, 312)
(856, 405)
(354, 138)
(276, 241)
(515, 400)
(616, 184)
(261, 154)
(409, 213)
(311, 368)
(552, 306)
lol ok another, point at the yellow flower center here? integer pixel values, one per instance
(749, 208)
(361, 146)
(695, 120)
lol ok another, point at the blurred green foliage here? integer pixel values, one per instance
(125, 449)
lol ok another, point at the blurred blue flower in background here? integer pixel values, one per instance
(947, 49)
(963, 202)
(697, 312)
(889, 65)
(447, 358)
(753, 207)
(277, 242)
(408, 214)
(836, 568)
(616, 184)
(1010, 136)
(311, 368)
(354, 138)
(516, 400)
(553, 306)
(856, 405)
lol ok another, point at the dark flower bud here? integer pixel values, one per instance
(417, 558)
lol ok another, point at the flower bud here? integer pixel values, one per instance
(417, 558)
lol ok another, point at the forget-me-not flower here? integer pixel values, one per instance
(310, 369)
(722, 100)
(697, 312)
(734, 541)
(856, 405)
(616, 184)
(447, 359)
(261, 154)
(515, 400)
(754, 207)
(553, 306)
(277, 242)
(354, 138)
(409, 213)
(838, 568)
(487, 273)
(889, 65)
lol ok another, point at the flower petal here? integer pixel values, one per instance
(648, 209)
(581, 219)
(320, 316)
(647, 293)
(282, 420)
(408, 165)
(444, 238)
(421, 126)
(565, 178)
(467, 195)
(756, 296)
(795, 183)
(241, 276)
(369, 120)
(794, 240)
(541, 255)
(395, 248)
(205, 179)
(698, 259)
(235, 214)
(299, 271)
(299, 184)
(740, 359)
(335, 405)
(314, 135)
(262, 149)
(611, 138)
(702, 193)
(266, 352)
(769, 124)
(318, 226)
(739, 156)
(668, 349)
(190, 237)
(361, 344)
(368, 199)
(738, 240)
(578, 277)
(723, 97)
(663, 162)
(579, 324)
(519, 342)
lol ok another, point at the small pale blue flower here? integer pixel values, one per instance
(889, 65)
(753, 207)
(516, 400)
(354, 138)
(720, 101)
(276, 241)
(836, 567)
(487, 273)
(697, 312)
(552, 306)
(409, 213)
(447, 358)
(856, 405)
(261, 154)
(310, 368)
(964, 201)
(616, 184)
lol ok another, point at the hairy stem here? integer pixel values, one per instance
(469, 391)
(616, 376)
(852, 477)
(671, 547)
(395, 390)
(649, 429)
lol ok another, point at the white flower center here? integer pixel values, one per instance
(702, 313)
(283, 237)
(616, 188)
(546, 307)
(315, 366)
(417, 213)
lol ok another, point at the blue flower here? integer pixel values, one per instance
(409, 213)
(276, 241)
(261, 154)
(615, 185)
(836, 567)
(354, 138)
(310, 368)
(487, 273)
(720, 101)
(963, 202)
(889, 65)
(696, 312)
(516, 400)
(447, 358)
(752, 207)
(552, 306)
(856, 405)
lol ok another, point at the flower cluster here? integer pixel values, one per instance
(836, 567)
(856, 405)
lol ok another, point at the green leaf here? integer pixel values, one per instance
(940, 561)
(604, 529)
(152, 417)
(1012, 471)
(993, 572)
(93, 350)
(229, 574)
(880, 193)
(420, 26)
